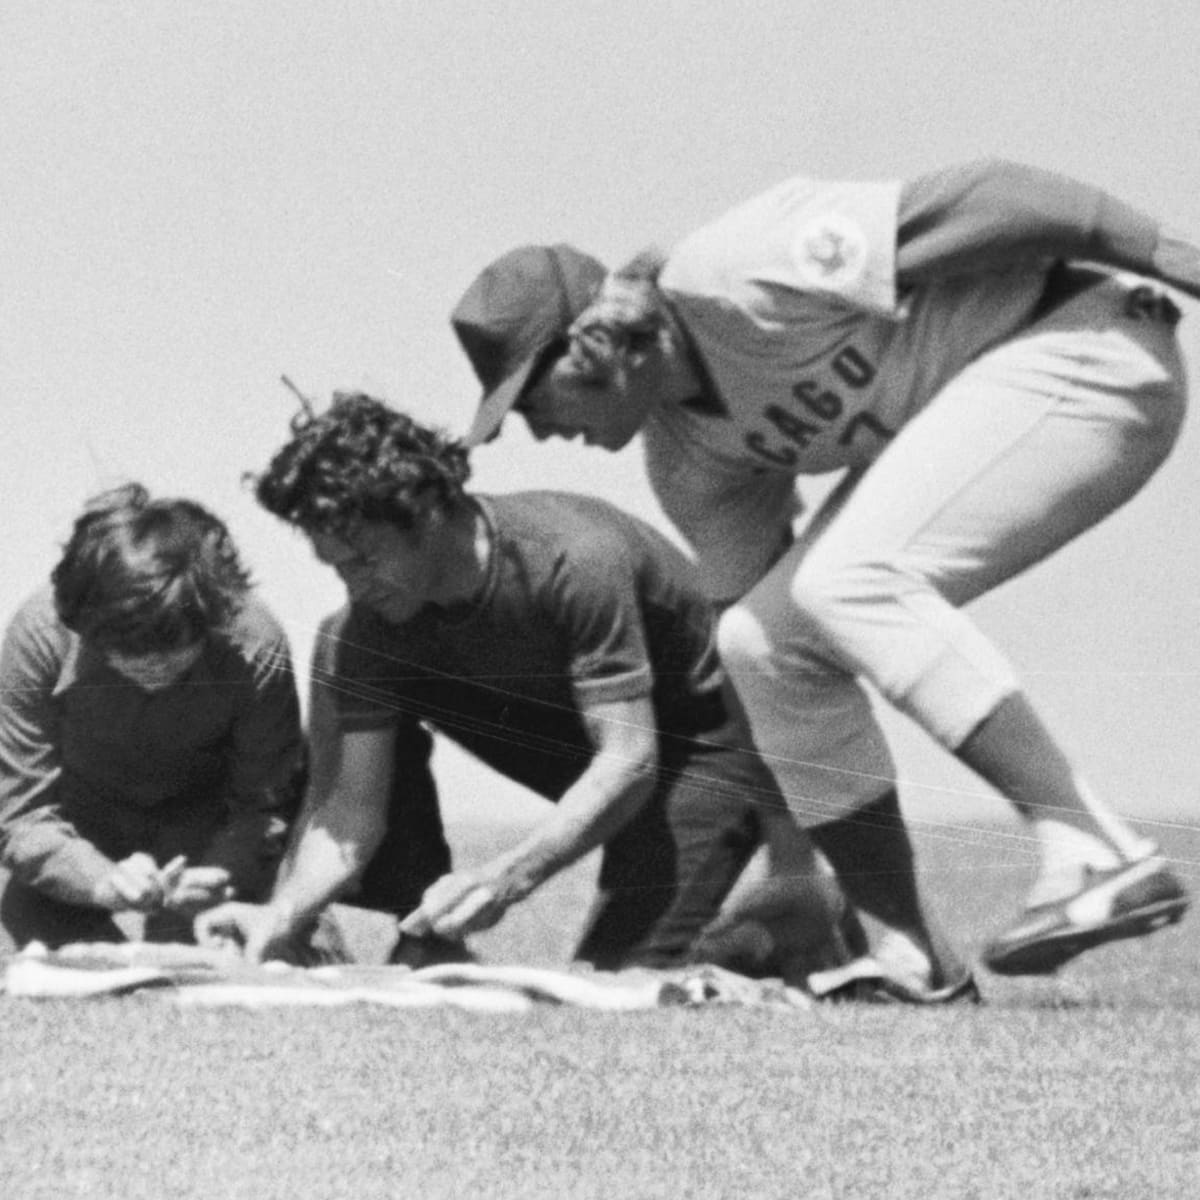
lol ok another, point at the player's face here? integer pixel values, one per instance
(154, 672)
(392, 571)
(565, 403)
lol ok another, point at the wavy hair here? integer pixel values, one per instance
(361, 460)
(627, 319)
(145, 576)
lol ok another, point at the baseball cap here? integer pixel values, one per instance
(515, 310)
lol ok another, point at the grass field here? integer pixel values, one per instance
(1082, 1086)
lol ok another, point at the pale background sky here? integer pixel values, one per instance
(195, 198)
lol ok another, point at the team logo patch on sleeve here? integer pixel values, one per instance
(830, 252)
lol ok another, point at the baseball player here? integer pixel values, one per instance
(984, 352)
(558, 640)
(150, 741)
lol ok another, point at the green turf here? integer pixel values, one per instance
(1079, 1086)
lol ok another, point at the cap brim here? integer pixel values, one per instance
(498, 403)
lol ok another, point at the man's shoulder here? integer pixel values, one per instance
(38, 647)
(36, 619)
(255, 631)
(563, 536)
(557, 532)
(544, 516)
(790, 229)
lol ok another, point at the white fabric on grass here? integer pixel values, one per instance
(213, 978)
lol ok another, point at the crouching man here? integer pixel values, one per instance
(558, 640)
(150, 741)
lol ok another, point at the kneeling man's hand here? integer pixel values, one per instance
(457, 904)
(197, 888)
(133, 884)
(263, 931)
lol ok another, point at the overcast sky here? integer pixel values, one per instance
(195, 198)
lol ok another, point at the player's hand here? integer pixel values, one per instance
(457, 904)
(263, 931)
(194, 889)
(133, 884)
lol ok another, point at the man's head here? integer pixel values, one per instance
(553, 338)
(146, 581)
(376, 493)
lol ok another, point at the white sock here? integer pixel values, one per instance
(1067, 851)
(900, 955)
(1120, 835)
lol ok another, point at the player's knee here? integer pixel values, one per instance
(742, 642)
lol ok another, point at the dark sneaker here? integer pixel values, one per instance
(866, 981)
(428, 951)
(1127, 901)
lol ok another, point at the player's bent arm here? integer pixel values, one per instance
(39, 844)
(981, 215)
(613, 787)
(615, 784)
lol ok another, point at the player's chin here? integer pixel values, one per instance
(611, 441)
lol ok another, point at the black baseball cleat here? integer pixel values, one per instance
(1128, 901)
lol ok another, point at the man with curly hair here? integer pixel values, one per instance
(558, 640)
(150, 741)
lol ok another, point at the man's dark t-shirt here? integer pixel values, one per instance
(583, 604)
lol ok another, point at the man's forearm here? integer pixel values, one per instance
(982, 215)
(49, 855)
(318, 867)
(599, 804)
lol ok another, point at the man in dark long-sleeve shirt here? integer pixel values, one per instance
(150, 742)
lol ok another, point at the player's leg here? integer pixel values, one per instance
(1027, 448)
(414, 852)
(1098, 881)
(665, 874)
(785, 917)
(815, 729)
(668, 891)
(413, 855)
(872, 854)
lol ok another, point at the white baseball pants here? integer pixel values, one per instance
(1033, 443)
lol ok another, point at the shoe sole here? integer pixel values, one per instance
(1045, 954)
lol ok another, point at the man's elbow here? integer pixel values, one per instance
(640, 762)
(362, 839)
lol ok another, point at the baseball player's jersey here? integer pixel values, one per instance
(822, 317)
(816, 355)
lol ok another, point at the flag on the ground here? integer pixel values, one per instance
(194, 976)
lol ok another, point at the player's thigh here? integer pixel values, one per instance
(697, 831)
(1015, 457)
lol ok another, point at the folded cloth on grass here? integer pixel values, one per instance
(195, 976)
